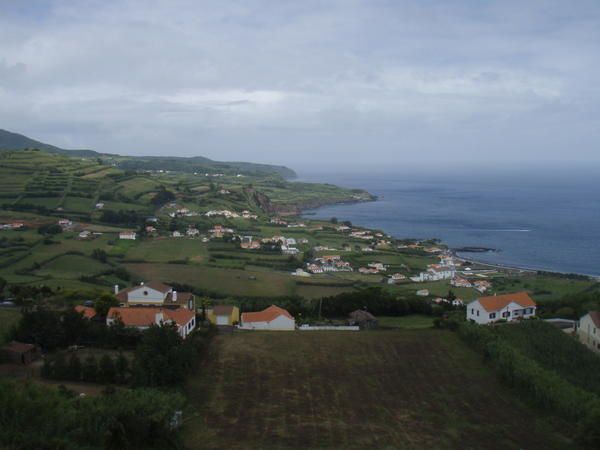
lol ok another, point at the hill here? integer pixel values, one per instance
(15, 141)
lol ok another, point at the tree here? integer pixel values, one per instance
(121, 368)
(159, 360)
(60, 368)
(90, 369)
(104, 303)
(74, 368)
(106, 370)
(334, 220)
(99, 254)
(52, 228)
(2, 285)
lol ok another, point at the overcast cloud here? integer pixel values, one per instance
(364, 82)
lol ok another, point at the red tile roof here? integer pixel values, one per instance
(497, 302)
(267, 315)
(143, 317)
(88, 313)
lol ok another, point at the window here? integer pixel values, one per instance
(492, 315)
(145, 292)
(506, 314)
(477, 313)
(472, 310)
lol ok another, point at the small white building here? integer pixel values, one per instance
(588, 330)
(131, 235)
(273, 318)
(507, 307)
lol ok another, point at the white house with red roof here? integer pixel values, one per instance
(588, 330)
(144, 318)
(273, 318)
(154, 293)
(509, 307)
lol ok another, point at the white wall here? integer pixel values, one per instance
(153, 296)
(479, 315)
(280, 323)
(588, 333)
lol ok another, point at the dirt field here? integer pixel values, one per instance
(405, 389)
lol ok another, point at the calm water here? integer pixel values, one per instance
(549, 222)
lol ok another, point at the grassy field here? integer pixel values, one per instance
(406, 389)
(410, 322)
(8, 318)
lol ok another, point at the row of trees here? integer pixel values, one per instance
(543, 386)
(106, 370)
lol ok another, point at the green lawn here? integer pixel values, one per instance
(410, 322)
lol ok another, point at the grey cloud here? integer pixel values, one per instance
(288, 82)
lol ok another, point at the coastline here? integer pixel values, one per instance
(508, 267)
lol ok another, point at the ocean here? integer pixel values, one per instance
(547, 221)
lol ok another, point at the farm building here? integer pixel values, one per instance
(507, 307)
(272, 318)
(19, 352)
(143, 318)
(588, 330)
(155, 293)
(364, 319)
(223, 315)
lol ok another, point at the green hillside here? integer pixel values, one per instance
(14, 141)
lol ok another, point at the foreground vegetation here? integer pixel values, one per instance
(548, 368)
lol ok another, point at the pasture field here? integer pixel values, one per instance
(71, 267)
(236, 282)
(402, 389)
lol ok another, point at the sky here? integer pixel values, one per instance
(309, 84)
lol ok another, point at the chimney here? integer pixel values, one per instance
(116, 289)
(174, 296)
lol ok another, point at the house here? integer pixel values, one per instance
(482, 285)
(507, 307)
(285, 250)
(223, 315)
(588, 330)
(423, 292)
(192, 232)
(395, 278)
(131, 235)
(272, 318)
(177, 234)
(144, 318)
(87, 312)
(364, 319)
(85, 234)
(65, 223)
(19, 352)
(377, 266)
(435, 272)
(460, 282)
(155, 293)
(99, 205)
(300, 273)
